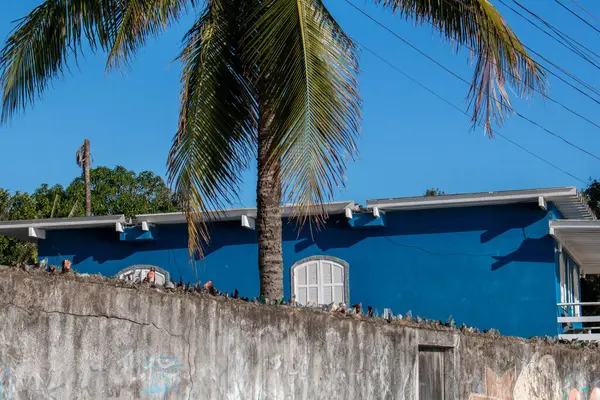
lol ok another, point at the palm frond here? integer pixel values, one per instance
(308, 81)
(55, 204)
(40, 46)
(38, 49)
(74, 209)
(217, 124)
(501, 58)
(80, 156)
(139, 20)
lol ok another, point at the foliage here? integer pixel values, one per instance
(17, 206)
(119, 191)
(114, 191)
(434, 192)
(592, 193)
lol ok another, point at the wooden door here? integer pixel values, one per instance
(431, 373)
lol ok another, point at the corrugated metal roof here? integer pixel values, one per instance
(567, 200)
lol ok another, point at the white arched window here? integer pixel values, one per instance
(320, 280)
(137, 273)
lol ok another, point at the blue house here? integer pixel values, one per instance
(509, 260)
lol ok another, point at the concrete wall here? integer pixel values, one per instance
(73, 338)
(489, 267)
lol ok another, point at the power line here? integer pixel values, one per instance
(575, 78)
(577, 15)
(586, 11)
(560, 33)
(469, 84)
(448, 102)
(507, 71)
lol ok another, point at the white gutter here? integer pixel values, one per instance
(63, 223)
(237, 214)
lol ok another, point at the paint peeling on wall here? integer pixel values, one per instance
(161, 377)
(497, 386)
(577, 394)
(6, 382)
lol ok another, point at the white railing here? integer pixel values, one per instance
(570, 313)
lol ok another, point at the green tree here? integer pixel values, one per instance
(120, 191)
(434, 192)
(115, 191)
(271, 78)
(18, 206)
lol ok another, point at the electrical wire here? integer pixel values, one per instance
(448, 102)
(586, 11)
(568, 39)
(469, 84)
(575, 78)
(549, 98)
(577, 15)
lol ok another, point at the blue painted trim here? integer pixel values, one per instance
(135, 233)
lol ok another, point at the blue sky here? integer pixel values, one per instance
(411, 140)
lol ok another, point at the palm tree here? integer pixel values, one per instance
(83, 160)
(274, 80)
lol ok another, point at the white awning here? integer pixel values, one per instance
(567, 200)
(581, 239)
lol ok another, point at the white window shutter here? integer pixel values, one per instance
(319, 282)
(313, 273)
(338, 283)
(301, 275)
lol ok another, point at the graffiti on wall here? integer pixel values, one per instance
(577, 394)
(539, 379)
(162, 376)
(6, 382)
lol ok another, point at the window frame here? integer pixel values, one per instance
(341, 263)
(146, 268)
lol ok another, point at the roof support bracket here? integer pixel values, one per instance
(248, 222)
(377, 212)
(348, 213)
(542, 203)
(37, 233)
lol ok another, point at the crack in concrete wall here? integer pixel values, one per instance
(73, 339)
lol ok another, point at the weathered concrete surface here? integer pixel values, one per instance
(86, 339)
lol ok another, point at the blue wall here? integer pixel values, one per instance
(487, 266)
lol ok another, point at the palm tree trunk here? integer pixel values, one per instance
(268, 221)
(86, 178)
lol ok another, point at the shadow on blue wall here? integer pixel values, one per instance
(487, 266)
(530, 250)
(339, 235)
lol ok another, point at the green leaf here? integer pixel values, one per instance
(217, 124)
(309, 88)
